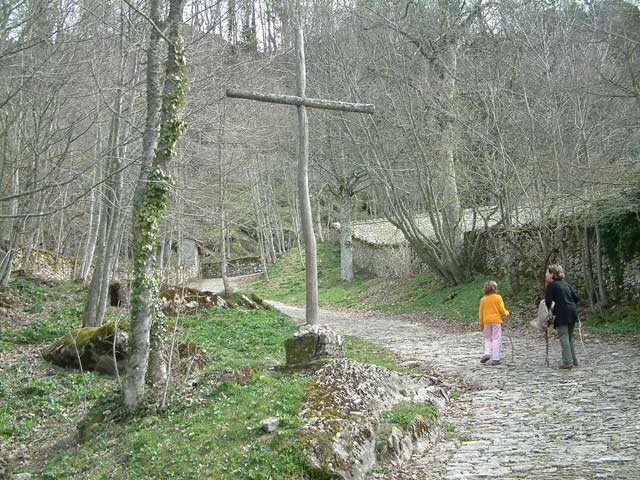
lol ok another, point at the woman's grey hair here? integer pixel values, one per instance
(556, 270)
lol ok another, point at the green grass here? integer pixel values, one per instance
(216, 435)
(53, 325)
(423, 293)
(242, 337)
(618, 320)
(427, 293)
(404, 413)
(367, 352)
(211, 430)
(59, 307)
(287, 280)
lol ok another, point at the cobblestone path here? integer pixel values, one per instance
(524, 420)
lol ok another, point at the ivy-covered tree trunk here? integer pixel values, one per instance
(148, 211)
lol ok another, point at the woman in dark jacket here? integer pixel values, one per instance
(564, 299)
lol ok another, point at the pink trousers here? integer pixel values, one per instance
(492, 339)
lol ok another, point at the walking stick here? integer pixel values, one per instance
(584, 348)
(546, 342)
(506, 331)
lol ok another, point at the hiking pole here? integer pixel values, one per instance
(506, 331)
(584, 348)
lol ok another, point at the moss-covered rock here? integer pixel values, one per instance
(91, 348)
(188, 300)
(313, 343)
(94, 348)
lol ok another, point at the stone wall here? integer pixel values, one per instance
(621, 285)
(48, 264)
(235, 267)
(393, 261)
(398, 260)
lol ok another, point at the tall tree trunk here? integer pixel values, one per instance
(99, 288)
(14, 228)
(89, 317)
(319, 220)
(157, 365)
(346, 249)
(92, 231)
(451, 201)
(223, 224)
(60, 236)
(223, 251)
(113, 233)
(294, 209)
(148, 212)
(263, 256)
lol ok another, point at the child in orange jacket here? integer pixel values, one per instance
(490, 314)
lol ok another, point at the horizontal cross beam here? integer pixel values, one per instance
(299, 101)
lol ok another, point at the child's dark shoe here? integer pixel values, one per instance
(485, 358)
(494, 363)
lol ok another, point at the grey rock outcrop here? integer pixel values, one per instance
(346, 434)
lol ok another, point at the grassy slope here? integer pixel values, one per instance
(423, 293)
(209, 431)
(287, 280)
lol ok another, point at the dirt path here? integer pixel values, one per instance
(525, 420)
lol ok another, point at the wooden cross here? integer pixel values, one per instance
(301, 102)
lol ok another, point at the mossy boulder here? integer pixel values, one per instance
(91, 348)
(312, 344)
(95, 348)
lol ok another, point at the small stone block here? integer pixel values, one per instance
(270, 424)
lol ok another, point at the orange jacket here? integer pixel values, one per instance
(491, 309)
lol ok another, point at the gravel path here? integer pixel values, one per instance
(524, 420)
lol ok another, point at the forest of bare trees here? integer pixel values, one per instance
(482, 108)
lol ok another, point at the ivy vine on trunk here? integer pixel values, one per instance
(145, 330)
